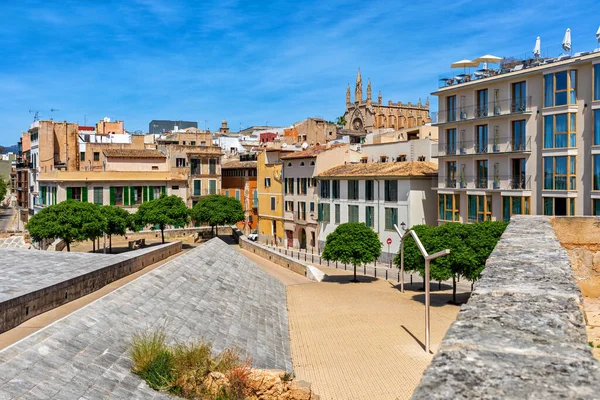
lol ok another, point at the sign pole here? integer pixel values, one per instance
(427, 303)
(402, 265)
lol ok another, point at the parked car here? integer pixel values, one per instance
(253, 235)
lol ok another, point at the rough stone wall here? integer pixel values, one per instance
(522, 333)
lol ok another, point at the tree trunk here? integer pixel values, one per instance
(355, 280)
(68, 246)
(454, 289)
(439, 285)
(110, 244)
(94, 245)
(217, 230)
(162, 233)
(472, 283)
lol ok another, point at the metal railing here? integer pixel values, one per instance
(490, 109)
(506, 144)
(498, 182)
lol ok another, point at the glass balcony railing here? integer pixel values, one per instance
(505, 144)
(478, 111)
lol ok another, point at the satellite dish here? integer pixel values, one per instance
(305, 145)
(284, 145)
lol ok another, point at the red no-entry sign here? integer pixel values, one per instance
(389, 241)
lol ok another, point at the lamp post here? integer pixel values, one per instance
(428, 259)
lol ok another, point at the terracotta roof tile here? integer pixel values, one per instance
(133, 153)
(399, 169)
(311, 152)
(238, 164)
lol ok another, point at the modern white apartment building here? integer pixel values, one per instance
(379, 194)
(300, 218)
(524, 140)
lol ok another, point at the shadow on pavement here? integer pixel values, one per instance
(345, 279)
(414, 337)
(442, 299)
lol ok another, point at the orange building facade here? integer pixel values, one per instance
(239, 181)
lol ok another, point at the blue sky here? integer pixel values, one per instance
(251, 62)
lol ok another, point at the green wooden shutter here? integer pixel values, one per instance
(150, 192)
(54, 195)
(69, 193)
(112, 196)
(131, 195)
(212, 186)
(125, 196)
(84, 194)
(285, 185)
(144, 193)
(255, 199)
(320, 218)
(164, 190)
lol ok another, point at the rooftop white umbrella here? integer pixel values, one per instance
(537, 48)
(464, 64)
(488, 58)
(566, 43)
(598, 35)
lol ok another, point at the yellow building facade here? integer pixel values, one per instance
(270, 196)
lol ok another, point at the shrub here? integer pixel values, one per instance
(192, 362)
(146, 347)
(159, 372)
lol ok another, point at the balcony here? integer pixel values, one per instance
(509, 144)
(492, 109)
(500, 182)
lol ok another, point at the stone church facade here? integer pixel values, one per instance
(366, 116)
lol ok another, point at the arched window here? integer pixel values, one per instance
(312, 163)
(289, 164)
(302, 164)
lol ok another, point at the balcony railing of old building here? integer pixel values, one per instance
(507, 144)
(500, 182)
(490, 109)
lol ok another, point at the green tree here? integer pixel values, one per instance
(3, 189)
(353, 243)
(341, 121)
(481, 238)
(117, 222)
(166, 210)
(218, 210)
(69, 220)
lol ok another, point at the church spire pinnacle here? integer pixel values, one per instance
(369, 90)
(348, 94)
(358, 90)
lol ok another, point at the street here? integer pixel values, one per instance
(6, 217)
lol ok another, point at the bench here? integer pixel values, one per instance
(137, 244)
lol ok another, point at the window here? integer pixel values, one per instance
(99, 196)
(302, 163)
(289, 206)
(519, 97)
(451, 141)
(237, 194)
(212, 186)
(268, 182)
(312, 207)
(479, 208)
(302, 184)
(197, 187)
(597, 82)
(595, 207)
(155, 168)
(353, 190)
(451, 178)
(561, 206)
(391, 190)
(401, 158)
(518, 136)
(82, 156)
(560, 88)
(42, 199)
(312, 163)
(559, 173)
(369, 216)
(451, 108)
(136, 197)
(324, 210)
(482, 174)
(596, 172)
(336, 189)
(514, 206)
(174, 187)
(272, 203)
(180, 162)
(288, 184)
(74, 193)
(352, 213)
(302, 210)
(596, 126)
(391, 218)
(518, 179)
(227, 193)
(118, 196)
(193, 143)
(212, 166)
(255, 199)
(448, 207)
(482, 139)
(96, 156)
(195, 166)
(560, 131)
(482, 103)
(337, 213)
(325, 189)
(369, 189)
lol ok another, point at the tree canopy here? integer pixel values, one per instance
(341, 121)
(3, 189)
(470, 246)
(117, 222)
(166, 210)
(69, 220)
(218, 210)
(353, 243)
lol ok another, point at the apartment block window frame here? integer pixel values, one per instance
(449, 207)
(556, 172)
(325, 189)
(595, 172)
(352, 213)
(289, 206)
(482, 103)
(302, 210)
(335, 186)
(353, 189)
(519, 96)
(212, 166)
(549, 205)
(482, 172)
(596, 80)
(451, 174)
(267, 182)
(82, 156)
(137, 193)
(515, 205)
(179, 162)
(451, 109)
(98, 195)
(391, 218)
(482, 139)
(479, 208)
(566, 137)
(451, 141)
(273, 203)
(212, 186)
(596, 125)
(370, 216)
(391, 190)
(560, 88)
(518, 135)
(337, 213)
(369, 190)
(596, 205)
(96, 156)
(119, 195)
(197, 185)
(324, 212)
